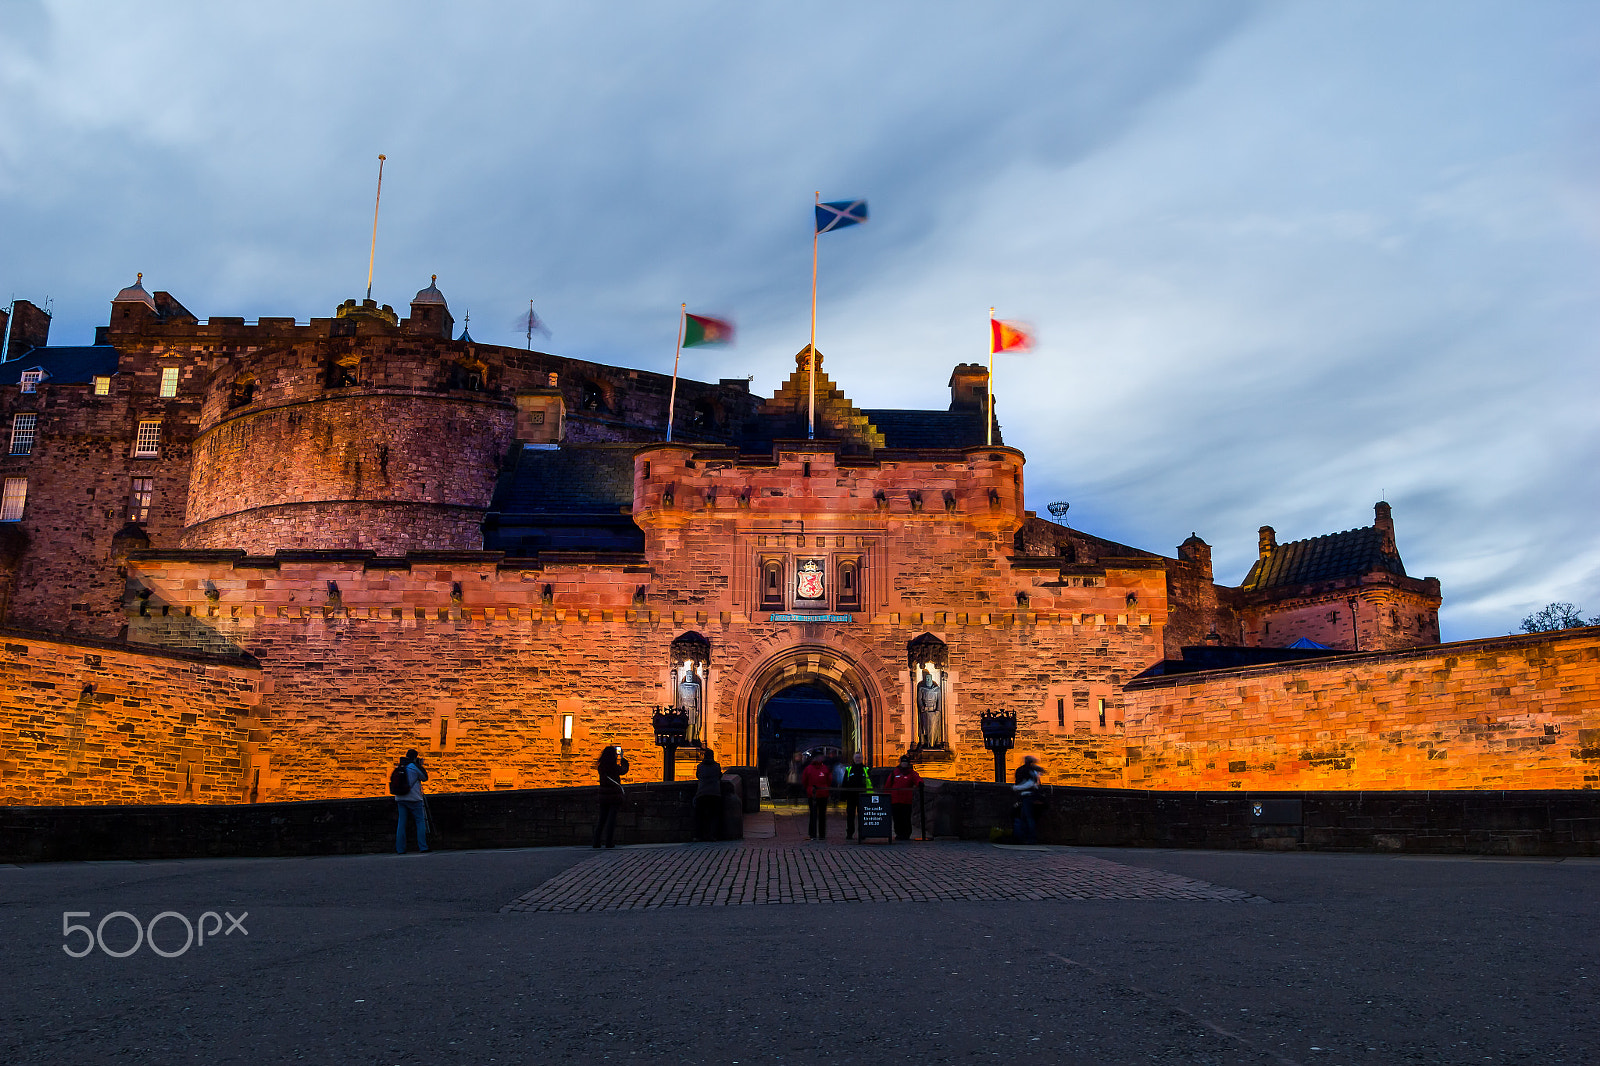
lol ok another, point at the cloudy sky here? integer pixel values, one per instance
(1283, 259)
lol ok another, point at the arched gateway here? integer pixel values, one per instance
(839, 673)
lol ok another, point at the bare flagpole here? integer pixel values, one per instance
(811, 406)
(672, 400)
(988, 424)
(530, 326)
(373, 255)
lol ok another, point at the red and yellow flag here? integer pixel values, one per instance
(1009, 336)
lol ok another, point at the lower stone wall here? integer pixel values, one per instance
(651, 814)
(1517, 712)
(1466, 821)
(86, 721)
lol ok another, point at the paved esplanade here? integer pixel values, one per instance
(1123, 957)
(735, 875)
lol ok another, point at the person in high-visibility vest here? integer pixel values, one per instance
(857, 782)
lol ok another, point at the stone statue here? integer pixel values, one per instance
(689, 697)
(930, 709)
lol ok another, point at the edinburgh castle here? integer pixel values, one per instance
(243, 562)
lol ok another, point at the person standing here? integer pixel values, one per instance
(708, 798)
(815, 780)
(1026, 785)
(902, 787)
(611, 767)
(796, 768)
(409, 803)
(856, 784)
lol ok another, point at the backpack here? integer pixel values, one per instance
(399, 781)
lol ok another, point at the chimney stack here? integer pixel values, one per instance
(1268, 541)
(1383, 521)
(30, 328)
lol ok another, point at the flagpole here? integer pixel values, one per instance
(376, 200)
(530, 325)
(988, 423)
(672, 400)
(811, 406)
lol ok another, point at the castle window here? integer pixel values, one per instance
(147, 442)
(1061, 712)
(848, 595)
(342, 371)
(244, 390)
(22, 432)
(31, 379)
(169, 382)
(102, 385)
(144, 489)
(591, 398)
(772, 585)
(11, 502)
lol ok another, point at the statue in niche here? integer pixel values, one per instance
(930, 707)
(690, 687)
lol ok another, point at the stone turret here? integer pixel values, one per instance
(430, 314)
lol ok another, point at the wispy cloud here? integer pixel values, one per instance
(1283, 259)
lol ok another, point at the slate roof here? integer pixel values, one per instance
(930, 429)
(63, 365)
(1337, 555)
(574, 479)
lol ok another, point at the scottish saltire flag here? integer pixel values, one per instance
(1009, 336)
(840, 213)
(703, 329)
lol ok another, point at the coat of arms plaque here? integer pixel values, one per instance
(808, 580)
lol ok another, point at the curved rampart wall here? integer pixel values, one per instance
(391, 472)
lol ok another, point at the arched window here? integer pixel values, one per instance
(591, 397)
(342, 370)
(847, 592)
(243, 391)
(772, 584)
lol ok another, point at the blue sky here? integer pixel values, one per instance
(1283, 259)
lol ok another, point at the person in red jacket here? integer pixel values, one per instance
(902, 787)
(816, 780)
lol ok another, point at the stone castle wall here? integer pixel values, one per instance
(1511, 713)
(93, 722)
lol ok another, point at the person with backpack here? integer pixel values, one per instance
(405, 785)
(1025, 830)
(902, 789)
(611, 767)
(708, 798)
(815, 780)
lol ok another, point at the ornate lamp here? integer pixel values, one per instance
(999, 736)
(670, 725)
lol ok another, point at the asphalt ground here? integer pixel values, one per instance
(389, 959)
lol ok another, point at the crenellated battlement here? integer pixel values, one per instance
(811, 481)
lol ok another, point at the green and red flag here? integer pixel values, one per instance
(700, 330)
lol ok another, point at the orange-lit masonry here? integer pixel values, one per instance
(323, 544)
(85, 723)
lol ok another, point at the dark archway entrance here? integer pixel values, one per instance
(796, 723)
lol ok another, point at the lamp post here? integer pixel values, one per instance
(1355, 634)
(999, 736)
(670, 725)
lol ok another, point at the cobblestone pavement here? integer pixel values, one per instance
(720, 875)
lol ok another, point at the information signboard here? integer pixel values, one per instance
(875, 823)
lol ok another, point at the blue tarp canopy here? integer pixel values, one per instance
(1313, 645)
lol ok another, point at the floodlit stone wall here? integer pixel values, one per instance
(1508, 713)
(84, 722)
